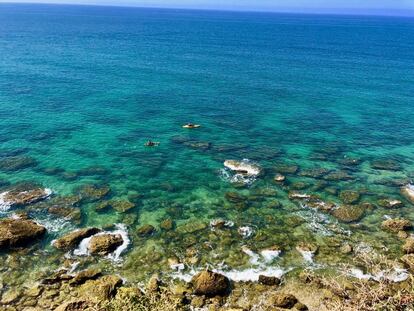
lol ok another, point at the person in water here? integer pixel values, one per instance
(151, 143)
(191, 126)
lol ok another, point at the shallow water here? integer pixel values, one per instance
(83, 88)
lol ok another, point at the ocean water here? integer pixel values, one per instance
(83, 88)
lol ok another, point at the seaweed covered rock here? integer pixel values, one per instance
(408, 246)
(348, 213)
(104, 244)
(397, 224)
(386, 165)
(210, 284)
(69, 213)
(91, 193)
(390, 203)
(19, 232)
(349, 196)
(101, 289)
(145, 230)
(122, 206)
(71, 240)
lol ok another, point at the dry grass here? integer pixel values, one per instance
(353, 294)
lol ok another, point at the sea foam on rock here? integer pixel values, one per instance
(244, 171)
(17, 197)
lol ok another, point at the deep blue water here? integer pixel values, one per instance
(84, 87)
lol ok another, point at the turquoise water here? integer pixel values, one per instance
(83, 88)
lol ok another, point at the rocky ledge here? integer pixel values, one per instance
(18, 232)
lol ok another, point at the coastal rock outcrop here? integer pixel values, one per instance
(22, 196)
(71, 240)
(210, 284)
(281, 300)
(104, 244)
(348, 213)
(19, 232)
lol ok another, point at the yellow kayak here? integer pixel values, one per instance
(191, 126)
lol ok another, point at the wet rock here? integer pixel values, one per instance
(57, 277)
(314, 172)
(10, 296)
(390, 203)
(71, 240)
(93, 193)
(16, 163)
(349, 196)
(402, 235)
(348, 213)
(19, 232)
(269, 280)
(122, 206)
(145, 230)
(210, 284)
(408, 246)
(103, 206)
(348, 161)
(396, 225)
(281, 300)
(104, 244)
(389, 165)
(20, 196)
(338, 176)
(408, 192)
(167, 224)
(346, 248)
(321, 205)
(293, 195)
(300, 307)
(74, 305)
(279, 178)
(286, 168)
(234, 197)
(408, 260)
(85, 275)
(101, 289)
(243, 167)
(70, 213)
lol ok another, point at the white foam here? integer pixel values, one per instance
(177, 267)
(83, 249)
(226, 223)
(246, 231)
(252, 274)
(231, 173)
(395, 275)
(307, 255)
(4, 205)
(269, 255)
(254, 258)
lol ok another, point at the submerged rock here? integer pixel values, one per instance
(210, 284)
(234, 197)
(17, 163)
(167, 224)
(19, 232)
(338, 176)
(408, 192)
(145, 230)
(122, 206)
(348, 213)
(69, 213)
(71, 240)
(104, 244)
(396, 225)
(92, 193)
(349, 196)
(243, 167)
(286, 168)
(191, 227)
(279, 178)
(389, 165)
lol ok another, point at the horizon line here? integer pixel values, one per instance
(305, 11)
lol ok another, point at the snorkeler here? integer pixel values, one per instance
(151, 143)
